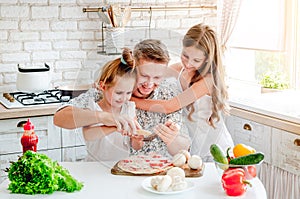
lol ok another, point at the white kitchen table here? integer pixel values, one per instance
(100, 183)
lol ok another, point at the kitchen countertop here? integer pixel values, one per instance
(25, 112)
(280, 109)
(100, 183)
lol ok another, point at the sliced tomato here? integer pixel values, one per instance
(252, 171)
(164, 160)
(156, 156)
(156, 164)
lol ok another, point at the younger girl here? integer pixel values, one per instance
(201, 79)
(117, 81)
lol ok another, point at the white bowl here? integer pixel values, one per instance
(251, 170)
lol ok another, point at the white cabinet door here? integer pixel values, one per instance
(73, 145)
(74, 154)
(72, 138)
(250, 133)
(286, 151)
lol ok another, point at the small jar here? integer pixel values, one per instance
(29, 139)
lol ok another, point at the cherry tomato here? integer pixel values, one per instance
(251, 171)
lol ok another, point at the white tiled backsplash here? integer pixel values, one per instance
(59, 33)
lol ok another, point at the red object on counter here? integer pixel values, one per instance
(234, 181)
(29, 139)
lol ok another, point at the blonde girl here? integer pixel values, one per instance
(116, 81)
(201, 78)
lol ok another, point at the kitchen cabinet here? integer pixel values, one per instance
(286, 151)
(280, 172)
(250, 133)
(73, 145)
(10, 135)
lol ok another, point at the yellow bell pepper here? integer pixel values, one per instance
(242, 150)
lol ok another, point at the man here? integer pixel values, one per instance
(151, 58)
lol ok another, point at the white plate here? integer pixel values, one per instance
(146, 184)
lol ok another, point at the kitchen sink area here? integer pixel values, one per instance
(283, 105)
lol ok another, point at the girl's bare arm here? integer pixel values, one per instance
(187, 97)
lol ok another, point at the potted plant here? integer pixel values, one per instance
(272, 82)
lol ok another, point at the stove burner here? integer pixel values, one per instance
(46, 97)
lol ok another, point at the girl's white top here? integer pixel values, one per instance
(114, 146)
(201, 133)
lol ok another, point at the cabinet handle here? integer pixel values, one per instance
(247, 127)
(21, 123)
(297, 142)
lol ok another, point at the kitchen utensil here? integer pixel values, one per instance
(150, 137)
(111, 17)
(126, 16)
(73, 91)
(33, 79)
(117, 14)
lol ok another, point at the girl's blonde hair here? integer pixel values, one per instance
(120, 67)
(204, 38)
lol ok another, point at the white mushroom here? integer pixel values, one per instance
(186, 154)
(179, 160)
(165, 183)
(155, 181)
(178, 186)
(176, 171)
(195, 162)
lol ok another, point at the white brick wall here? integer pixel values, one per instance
(57, 32)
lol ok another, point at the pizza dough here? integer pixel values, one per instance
(145, 164)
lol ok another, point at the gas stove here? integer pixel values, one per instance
(24, 99)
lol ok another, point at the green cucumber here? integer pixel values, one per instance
(218, 154)
(254, 158)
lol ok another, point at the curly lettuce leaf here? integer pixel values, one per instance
(36, 173)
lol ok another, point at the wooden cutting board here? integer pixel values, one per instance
(188, 172)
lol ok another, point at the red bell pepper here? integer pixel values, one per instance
(234, 182)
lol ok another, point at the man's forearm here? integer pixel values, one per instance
(180, 143)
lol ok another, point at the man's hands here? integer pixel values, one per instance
(167, 132)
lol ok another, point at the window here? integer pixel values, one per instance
(265, 41)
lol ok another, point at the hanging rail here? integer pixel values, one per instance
(136, 9)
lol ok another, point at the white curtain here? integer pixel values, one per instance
(279, 184)
(227, 13)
